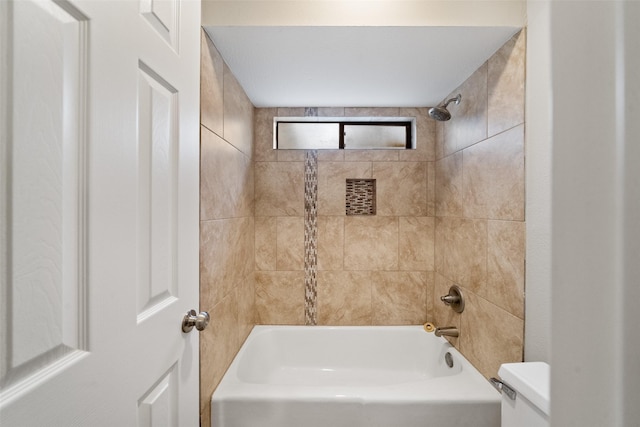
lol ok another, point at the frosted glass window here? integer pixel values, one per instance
(308, 136)
(374, 136)
(354, 133)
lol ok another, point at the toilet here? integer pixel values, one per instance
(525, 394)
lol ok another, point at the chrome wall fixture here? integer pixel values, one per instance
(447, 331)
(441, 113)
(454, 299)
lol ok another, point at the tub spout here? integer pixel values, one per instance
(450, 331)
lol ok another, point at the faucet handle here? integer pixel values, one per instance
(454, 299)
(450, 299)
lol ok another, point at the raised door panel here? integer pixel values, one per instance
(45, 292)
(159, 405)
(99, 230)
(157, 187)
(164, 17)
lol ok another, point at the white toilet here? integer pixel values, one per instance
(525, 394)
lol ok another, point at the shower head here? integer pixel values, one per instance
(441, 113)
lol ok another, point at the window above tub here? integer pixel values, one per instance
(348, 133)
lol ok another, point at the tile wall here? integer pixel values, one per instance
(451, 211)
(226, 220)
(479, 211)
(371, 270)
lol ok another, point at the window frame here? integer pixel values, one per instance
(409, 123)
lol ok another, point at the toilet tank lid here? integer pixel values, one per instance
(529, 379)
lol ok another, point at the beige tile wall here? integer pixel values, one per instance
(479, 208)
(372, 270)
(451, 211)
(227, 230)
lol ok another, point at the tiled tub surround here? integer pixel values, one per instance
(479, 209)
(450, 211)
(227, 289)
(371, 270)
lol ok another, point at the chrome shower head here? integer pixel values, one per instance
(441, 113)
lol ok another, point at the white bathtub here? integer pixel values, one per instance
(378, 376)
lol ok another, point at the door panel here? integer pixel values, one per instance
(44, 320)
(99, 212)
(157, 180)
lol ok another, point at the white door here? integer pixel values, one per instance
(99, 217)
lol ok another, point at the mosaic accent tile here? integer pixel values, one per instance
(361, 197)
(310, 237)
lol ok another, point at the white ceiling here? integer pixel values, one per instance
(357, 66)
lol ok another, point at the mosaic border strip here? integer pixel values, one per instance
(310, 236)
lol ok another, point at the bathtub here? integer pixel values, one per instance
(369, 376)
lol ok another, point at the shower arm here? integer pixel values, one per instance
(456, 100)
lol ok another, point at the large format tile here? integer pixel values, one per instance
(290, 243)
(226, 256)
(291, 111)
(461, 251)
(490, 336)
(263, 135)
(416, 240)
(330, 111)
(238, 115)
(330, 156)
(332, 186)
(444, 147)
(431, 285)
(431, 188)
(291, 155)
(494, 177)
(279, 188)
(213, 286)
(266, 234)
(226, 179)
(211, 78)
(218, 345)
(370, 243)
(401, 188)
(370, 155)
(280, 297)
(468, 124)
(449, 186)
(505, 266)
(330, 242)
(246, 294)
(506, 85)
(344, 298)
(399, 298)
(371, 111)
